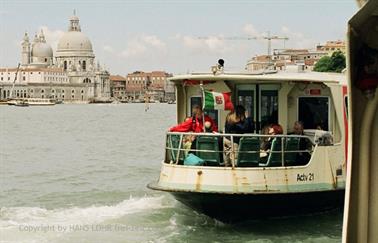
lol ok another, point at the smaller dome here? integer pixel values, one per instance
(41, 49)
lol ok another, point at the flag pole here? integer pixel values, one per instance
(203, 106)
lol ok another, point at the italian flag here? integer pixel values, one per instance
(217, 101)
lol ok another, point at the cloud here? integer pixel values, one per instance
(141, 45)
(250, 30)
(52, 36)
(298, 39)
(209, 45)
(108, 49)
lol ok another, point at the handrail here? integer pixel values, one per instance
(175, 152)
(238, 135)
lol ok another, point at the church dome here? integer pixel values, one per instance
(41, 49)
(74, 41)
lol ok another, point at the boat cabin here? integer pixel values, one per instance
(317, 100)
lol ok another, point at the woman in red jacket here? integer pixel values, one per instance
(195, 124)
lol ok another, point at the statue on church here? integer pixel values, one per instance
(78, 67)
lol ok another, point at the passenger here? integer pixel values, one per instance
(236, 123)
(304, 144)
(275, 129)
(195, 124)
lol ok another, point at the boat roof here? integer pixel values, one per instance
(336, 78)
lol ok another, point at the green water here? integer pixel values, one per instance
(78, 173)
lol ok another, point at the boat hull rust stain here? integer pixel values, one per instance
(199, 180)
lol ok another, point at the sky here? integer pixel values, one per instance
(149, 35)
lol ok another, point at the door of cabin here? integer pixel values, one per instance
(260, 102)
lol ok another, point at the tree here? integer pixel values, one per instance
(337, 62)
(334, 63)
(323, 64)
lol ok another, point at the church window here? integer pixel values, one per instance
(84, 65)
(63, 91)
(72, 91)
(42, 91)
(53, 91)
(87, 81)
(65, 65)
(2, 78)
(42, 96)
(45, 59)
(82, 91)
(23, 78)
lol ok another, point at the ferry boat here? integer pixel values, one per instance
(253, 186)
(31, 102)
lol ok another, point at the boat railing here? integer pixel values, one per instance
(237, 150)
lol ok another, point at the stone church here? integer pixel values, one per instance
(71, 76)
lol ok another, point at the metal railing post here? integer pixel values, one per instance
(282, 152)
(232, 157)
(178, 150)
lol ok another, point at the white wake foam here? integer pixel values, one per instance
(15, 216)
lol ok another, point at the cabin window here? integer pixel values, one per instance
(268, 107)
(246, 98)
(314, 112)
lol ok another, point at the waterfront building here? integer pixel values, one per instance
(282, 58)
(332, 46)
(118, 86)
(72, 75)
(154, 83)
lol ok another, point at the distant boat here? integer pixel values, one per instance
(21, 103)
(31, 102)
(40, 101)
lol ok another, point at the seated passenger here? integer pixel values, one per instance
(195, 124)
(274, 129)
(304, 144)
(236, 123)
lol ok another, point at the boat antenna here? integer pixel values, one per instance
(14, 81)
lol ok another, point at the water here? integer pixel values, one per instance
(78, 173)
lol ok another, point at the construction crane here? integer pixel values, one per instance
(268, 37)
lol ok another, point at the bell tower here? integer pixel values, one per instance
(74, 23)
(25, 54)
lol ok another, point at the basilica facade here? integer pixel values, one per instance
(72, 75)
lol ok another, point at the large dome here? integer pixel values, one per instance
(74, 41)
(41, 49)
